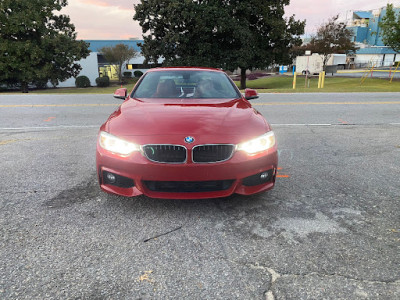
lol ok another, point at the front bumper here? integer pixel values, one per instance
(189, 180)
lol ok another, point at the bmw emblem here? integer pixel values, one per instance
(189, 139)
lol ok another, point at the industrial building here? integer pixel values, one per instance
(95, 65)
(367, 35)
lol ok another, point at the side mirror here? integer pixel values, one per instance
(121, 93)
(250, 94)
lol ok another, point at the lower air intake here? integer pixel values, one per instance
(188, 186)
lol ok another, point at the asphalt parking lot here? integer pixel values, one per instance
(329, 230)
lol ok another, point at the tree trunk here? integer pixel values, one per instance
(242, 78)
(325, 60)
(120, 73)
(24, 87)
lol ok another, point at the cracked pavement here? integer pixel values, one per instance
(329, 230)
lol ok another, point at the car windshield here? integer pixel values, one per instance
(185, 84)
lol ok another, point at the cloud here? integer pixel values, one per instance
(317, 12)
(103, 19)
(110, 19)
(121, 4)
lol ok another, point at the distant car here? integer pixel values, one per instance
(185, 133)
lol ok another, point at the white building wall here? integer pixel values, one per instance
(89, 68)
(388, 60)
(369, 60)
(137, 60)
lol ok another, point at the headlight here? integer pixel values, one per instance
(259, 144)
(116, 145)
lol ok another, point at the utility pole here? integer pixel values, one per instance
(308, 53)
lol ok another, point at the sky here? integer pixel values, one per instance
(111, 19)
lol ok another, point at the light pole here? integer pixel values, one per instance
(308, 53)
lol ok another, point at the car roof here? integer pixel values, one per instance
(185, 69)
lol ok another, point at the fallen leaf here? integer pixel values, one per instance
(145, 277)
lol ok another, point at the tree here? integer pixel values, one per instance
(390, 28)
(36, 45)
(117, 56)
(297, 51)
(332, 37)
(226, 34)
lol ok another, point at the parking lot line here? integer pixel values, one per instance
(301, 124)
(5, 142)
(50, 127)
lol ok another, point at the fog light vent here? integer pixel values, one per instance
(117, 180)
(259, 178)
(110, 177)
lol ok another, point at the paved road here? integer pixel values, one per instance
(376, 73)
(330, 229)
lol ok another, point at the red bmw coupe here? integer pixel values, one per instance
(186, 133)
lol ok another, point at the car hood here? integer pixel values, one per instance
(205, 117)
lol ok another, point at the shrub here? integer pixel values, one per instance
(138, 73)
(82, 82)
(127, 74)
(103, 81)
(40, 83)
(254, 76)
(134, 80)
